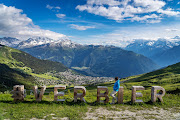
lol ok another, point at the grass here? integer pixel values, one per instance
(169, 78)
(48, 109)
(16, 66)
(45, 76)
(31, 109)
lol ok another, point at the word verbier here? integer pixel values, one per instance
(102, 91)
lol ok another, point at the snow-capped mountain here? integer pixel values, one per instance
(176, 38)
(64, 43)
(36, 41)
(149, 48)
(31, 42)
(8, 41)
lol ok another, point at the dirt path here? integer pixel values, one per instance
(126, 113)
(150, 114)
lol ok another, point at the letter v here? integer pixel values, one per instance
(39, 95)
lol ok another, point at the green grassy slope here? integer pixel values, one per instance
(168, 77)
(18, 58)
(17, 67)
(49, 109)
(10, 77)
(38, 66)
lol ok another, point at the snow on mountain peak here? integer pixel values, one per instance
(150, 43)
(36, 41)
(9, 41)
(176, 38)
(64, 43)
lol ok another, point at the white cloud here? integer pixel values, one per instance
(169, 12)
(153, 18)
(122, 36)
(60, 15)
(136, 10)
(149, 5)
(171, 30)
(77, 27)
(52, 7)
(103, 2)
(13, 23)
(178, 3)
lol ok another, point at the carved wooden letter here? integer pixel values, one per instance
(39, 95)
(136, 94)
(155, 95)
(120, 95)
(105, 94)
(56, 93)
(18, 92)
(79, 95)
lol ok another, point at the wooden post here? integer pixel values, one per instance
(79, 95)
(155, 95)
(105, 94)
(120, 95)
(56, 93)
(39, 95)
(136, 94)
(18, 92)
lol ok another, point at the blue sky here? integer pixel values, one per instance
(113, 22)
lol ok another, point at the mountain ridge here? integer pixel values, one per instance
(170, 56)
(18, 67)
(22, 68)
(149, 48)
(91, 56)
(99, 60)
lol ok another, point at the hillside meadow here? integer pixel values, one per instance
(48, 109)
(168, 78)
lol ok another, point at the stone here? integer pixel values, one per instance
(136, 94)
(79, 95)
(56, 93)
(18, 93)
(120, 95)
(105, 94)
(39, 95)
(155, 95)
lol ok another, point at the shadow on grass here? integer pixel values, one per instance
(176, 91)
(72, 103)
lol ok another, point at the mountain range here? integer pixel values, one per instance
(9, 41)
(18, 67)
(163, 52)
(149, 48)
(168, 57)
(92, 60)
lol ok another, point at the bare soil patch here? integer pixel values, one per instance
(150, 114)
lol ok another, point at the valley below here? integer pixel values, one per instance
(73, 65)
(89, 59)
